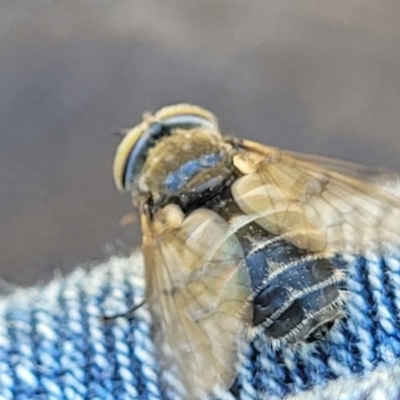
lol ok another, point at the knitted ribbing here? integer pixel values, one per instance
(54, 344)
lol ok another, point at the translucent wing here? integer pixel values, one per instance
(316, 203)
(198, 288)
(383, 177)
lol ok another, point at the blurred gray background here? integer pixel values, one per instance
(320, 77)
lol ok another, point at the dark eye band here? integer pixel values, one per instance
(150, 137)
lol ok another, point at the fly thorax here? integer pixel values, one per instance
(185, 167)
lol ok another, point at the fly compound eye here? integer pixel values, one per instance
(132, 151)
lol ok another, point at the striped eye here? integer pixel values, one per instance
(133, 150)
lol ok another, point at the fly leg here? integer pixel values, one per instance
(127, 314)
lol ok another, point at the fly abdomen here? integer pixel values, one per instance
(303, 316)
(298, 293)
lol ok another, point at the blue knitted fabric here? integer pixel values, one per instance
(53, 344)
